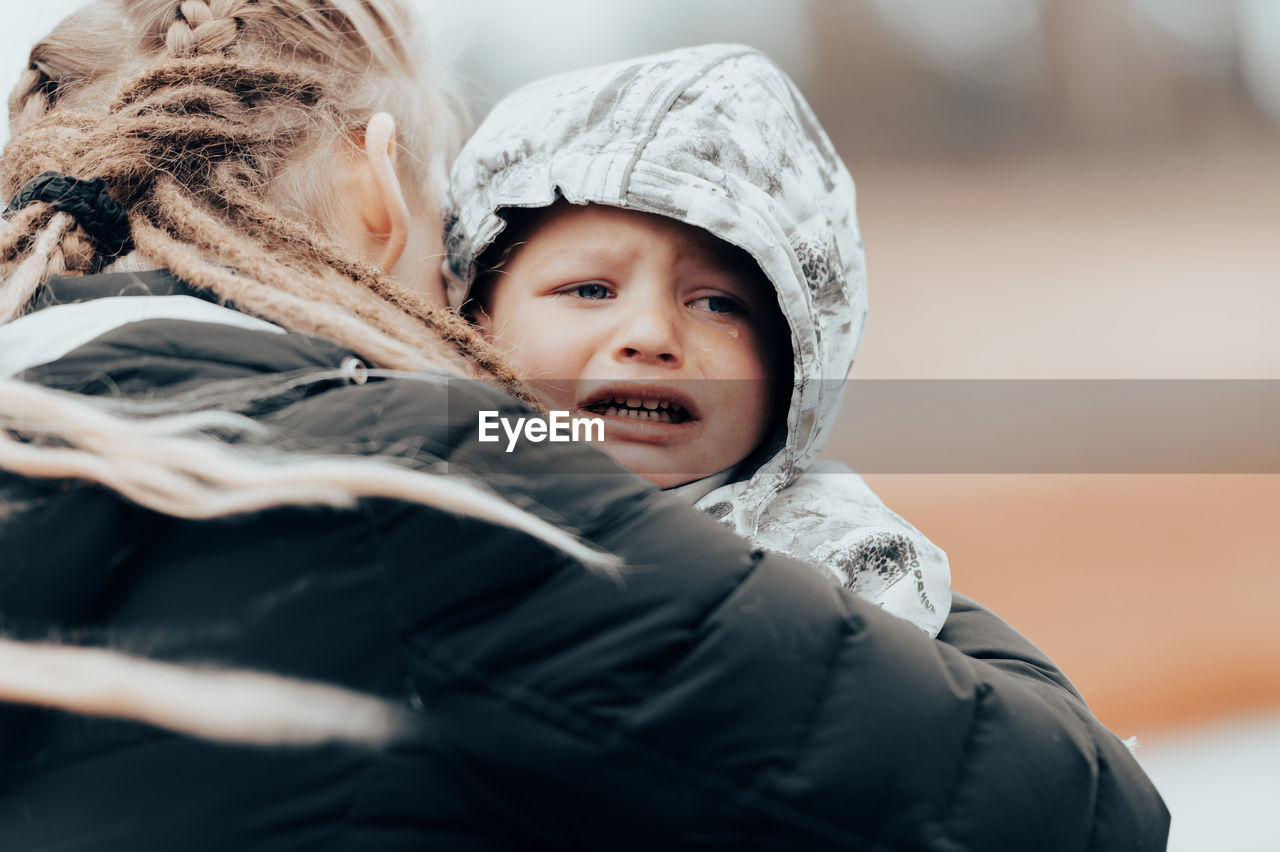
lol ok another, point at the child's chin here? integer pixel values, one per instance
(671, 480)
(654, 464)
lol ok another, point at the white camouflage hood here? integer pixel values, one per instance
(718, 137)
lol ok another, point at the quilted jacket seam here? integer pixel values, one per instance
(962, 774)
(580, 725)
(824, 694)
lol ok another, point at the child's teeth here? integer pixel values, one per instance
(660, 411)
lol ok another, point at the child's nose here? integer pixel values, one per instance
(650, 336)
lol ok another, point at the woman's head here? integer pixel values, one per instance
(229, 130)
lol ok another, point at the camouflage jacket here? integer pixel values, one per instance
(719, 138)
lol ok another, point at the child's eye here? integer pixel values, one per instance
(592, 291)
(717, 304)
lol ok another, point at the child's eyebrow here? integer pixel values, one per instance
(577, 255)
(706, 263)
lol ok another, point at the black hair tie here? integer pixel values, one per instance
(103, 218)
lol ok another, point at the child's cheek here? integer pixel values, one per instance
(555, 362)
(535, 342)
(742, 355)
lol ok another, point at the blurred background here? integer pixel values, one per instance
(1048, 189)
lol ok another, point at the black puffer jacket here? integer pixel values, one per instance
(716, 698)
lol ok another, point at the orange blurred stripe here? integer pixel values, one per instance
(1158, 595)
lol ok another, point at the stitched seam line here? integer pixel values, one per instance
(662, 676)
(1097, 793)
(666, 108)
(821, 697)
(583, 727)
(981, 692)
(1100, 763)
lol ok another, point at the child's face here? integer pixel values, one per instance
(662, 330)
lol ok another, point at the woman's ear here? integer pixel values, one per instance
(379, 197)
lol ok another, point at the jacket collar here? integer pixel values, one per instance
(60, 290)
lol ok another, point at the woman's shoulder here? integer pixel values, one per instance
(153, 353)
(62, 548)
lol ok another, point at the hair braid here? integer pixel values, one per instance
(195, 143)
(307, 315)
(23, 282)
(209, 122)
(195, 225)
(16, 231)
(203, 28)
(45, 146)
(32, 97)
(437, 323)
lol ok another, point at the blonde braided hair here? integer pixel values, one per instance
(218, 115)
(220, 106)
(200, 27)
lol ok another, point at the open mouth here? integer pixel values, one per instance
(642, 404)
(649, 410)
